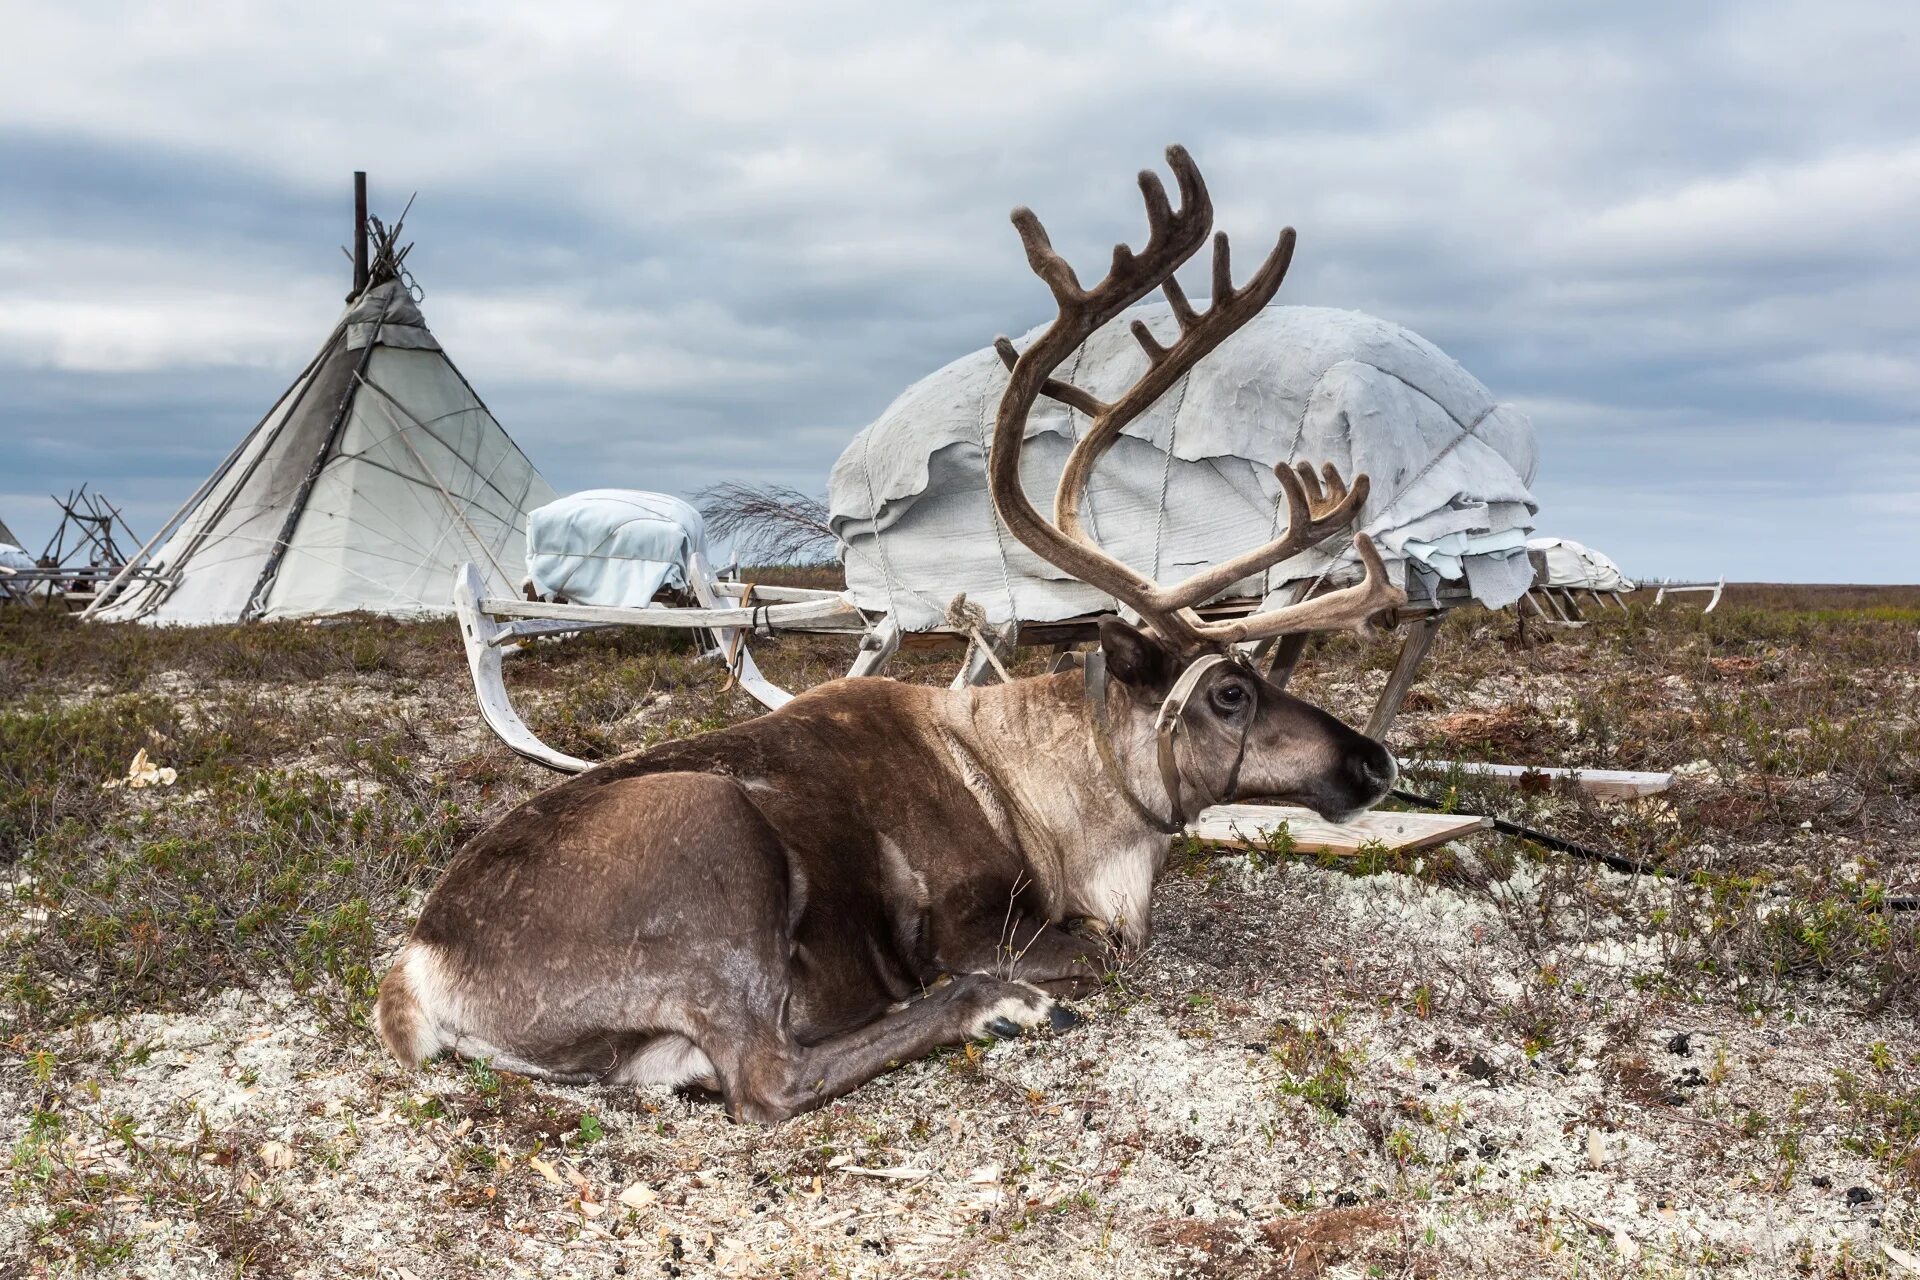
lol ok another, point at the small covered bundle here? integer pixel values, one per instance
(1564, 563)
(616, 547)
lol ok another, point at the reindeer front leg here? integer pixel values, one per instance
(1068, 959)
(766, 1075)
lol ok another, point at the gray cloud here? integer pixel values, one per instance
(676, 245)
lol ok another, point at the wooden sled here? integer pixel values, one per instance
(1712, 590)
(493, 627)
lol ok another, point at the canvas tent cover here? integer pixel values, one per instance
(1190, 483)
(374, 477)
(1578, 568)
(613, 546)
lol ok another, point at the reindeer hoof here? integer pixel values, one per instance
(1061, 1016)
(1020, 1008)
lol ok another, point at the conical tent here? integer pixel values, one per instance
(376, 475)
(6, 535)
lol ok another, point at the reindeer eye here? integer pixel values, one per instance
(1230, 696)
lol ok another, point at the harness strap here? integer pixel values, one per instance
(1093, 669)
(1168, 726)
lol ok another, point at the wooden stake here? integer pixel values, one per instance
(1412, 653)
(359, 233)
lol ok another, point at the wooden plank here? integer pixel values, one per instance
(833, 614)
(764, 593)
(1625, 784)
(1245, 826)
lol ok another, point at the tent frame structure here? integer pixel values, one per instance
(86, 529)
(1562, 606)
(732, 611)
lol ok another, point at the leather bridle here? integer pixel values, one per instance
(1168, 726)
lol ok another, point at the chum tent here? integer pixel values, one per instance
(1190, 482)
(376, 475)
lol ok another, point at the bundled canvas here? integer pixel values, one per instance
(375, 475)
(614, 547)
(1190, 483)
(1561, 562)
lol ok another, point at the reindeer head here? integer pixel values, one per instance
(1229, 735)
(1222, 731)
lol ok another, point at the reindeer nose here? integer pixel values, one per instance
(1374, 768)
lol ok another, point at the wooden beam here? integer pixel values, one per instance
(834, 614)
(1248, 826)
(876, 648)
(766, 594)
(1412, 653)
(1625, 784)
(1287, 656)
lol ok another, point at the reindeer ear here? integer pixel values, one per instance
(1134, 657)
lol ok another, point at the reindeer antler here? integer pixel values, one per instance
(1314, 512)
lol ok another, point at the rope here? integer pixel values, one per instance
(1166, 471)
(964, 615)
(993, 519)
(873, 505)
(452, 506)
(739, 642)
(1464, 431)
(508, 522)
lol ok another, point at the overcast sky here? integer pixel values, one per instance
(677, 244)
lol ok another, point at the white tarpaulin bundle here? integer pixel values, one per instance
(375, 476)
(13, 557)
(613, 546)
(1190, 483)
(1578, 568)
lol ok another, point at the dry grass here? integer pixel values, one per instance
(1387, 1066)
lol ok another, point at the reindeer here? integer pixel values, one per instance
(781, 910)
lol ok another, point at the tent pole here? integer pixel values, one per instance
(1412, 653)
(257, 598)
(359, 234)
(207, 486)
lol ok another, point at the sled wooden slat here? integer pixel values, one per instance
(764, 593)
(833, 614)
(1245, 826)
(1620, 784)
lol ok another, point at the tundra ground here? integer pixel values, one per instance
(1484, 1060)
